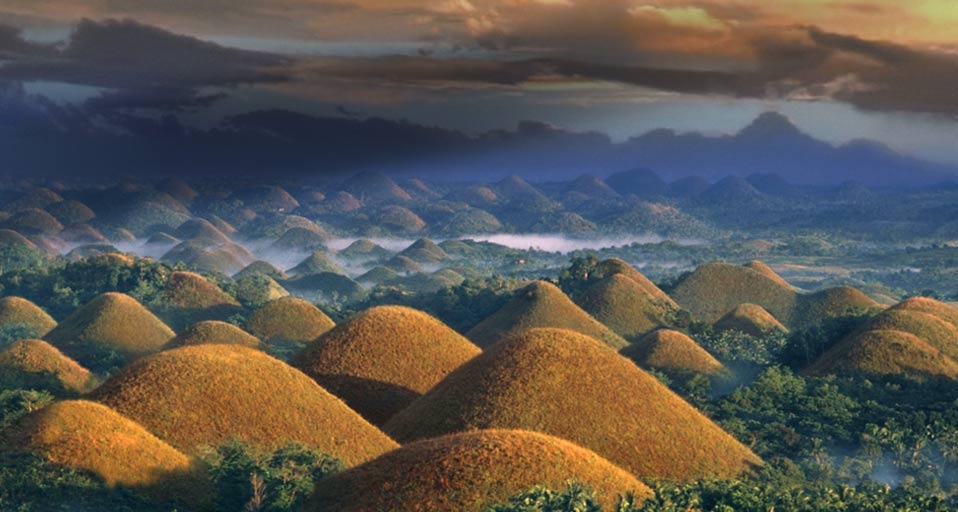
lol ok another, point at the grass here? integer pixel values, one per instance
(316, 263)
(540, 304)
(425, 250)
(382, 359)
(767, 271)
(613, 266)
(17, 311)
(112, 322)
(71, 212)
(260, 267)
(364, 248)
(404, 265)
(672, 351)
(378, 275)
(465, 472)
(300, 239)
(288, 319)
(751, 319)
(571, 386)
(624, 306)
(188, 290)
(202, 396)
(830, 303)
(201, 229)
(930, 328)
(35, 364)
(931, 306)
(401, 219)
(34, 221)
(89, 436)
(214, 332)
(885, 352)
(11, 238)
(714, 289)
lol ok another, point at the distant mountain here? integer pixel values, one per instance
(329, 149)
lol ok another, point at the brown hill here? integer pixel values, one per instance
(35, 364)
(33, 221)
(624, 306)
(71, 212)
(82, 234)
(400, 219)
(714, 289)
(179, 189)
(832, 302)
(672, 351)
(267, 199)
(17, 311)
(364, 249)
(214, 332)
(378, 275)
(260, 267)
(375, 187)
(90, 436)
(316, 263)
(767, 271)
(540, 304)
(572, 386)
(112, 323)
(201, 229)
(189, 290)
(382, 359)
(591, 187)
(612, 266)
(404, 265)
(205, 395)
(288, 319)
(11, 239)
(425, 250)
(930, 328)
(300, 240)
(885, 352)
(941, 310)
(751, 319)
(35, 198)
(466, 472)
(469, 221)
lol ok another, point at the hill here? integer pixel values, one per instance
(611, 266)
(425, 250)
(590, 187)
(383, 358)
(214, 332)
(400, 220)
(316, 263)
(19, 312)
(189, 297)
(624, 306)
(201, 229)
(751, 319)
(70, 212)
(364, 249)
(205, 395)
(829, 303)
(260, 267)
(465, 472)
(113, 326)
(35, 364)
(561, 383)
(885, 352)
(714, 289)
(540, 304)
(767, 271)
(672, 352)
(33, 221)
(288, 319)
(638, 182)
(92, 437)
(375, 187)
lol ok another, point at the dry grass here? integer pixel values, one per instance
(35, 364)
(288, 319)
(465, 472)
(565, 384)
(767, 271)
(829, 303)
(17, 311)
(33, 221)
(202, 396)
(201, 229)
(930, 328)
(187, 290)
(112, 322)
(90, 436)
(540, 304)
(751, 319)
(714, 289)
(400, 218)
(316, 263)
(425, 250)
(672, 351)
(214, 332)
(931, 306)
(404, 265)
(384, 358)
(378, 275)
(624, 306)
(10, 238)
(260, 267)
(613, 266)
(885, 352)
(70, 212)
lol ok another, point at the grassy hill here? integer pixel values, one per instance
(19, 312)
(574, 387)
(465, 472)
(113, 326)
(214, 332)
(204, 395)
(288, 319)
(624, 306)
(751, 319)
(92, 437)
(672, 352)
(35, 364)
(383, 358)
(540, 304)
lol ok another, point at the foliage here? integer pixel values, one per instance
(269, 482)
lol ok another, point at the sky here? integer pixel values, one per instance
(840, 69)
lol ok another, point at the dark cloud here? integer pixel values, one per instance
(136, 61)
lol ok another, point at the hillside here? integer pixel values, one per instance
(383, 358)
(465, 472)
(571, 386)
(672, 352)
